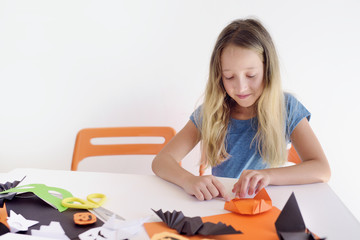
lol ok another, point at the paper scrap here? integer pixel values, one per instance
(18, 223)
(98, 233)
(53, 230)
(114, 229)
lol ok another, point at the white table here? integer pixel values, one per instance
(132, 196)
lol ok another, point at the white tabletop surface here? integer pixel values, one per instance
(132, 196)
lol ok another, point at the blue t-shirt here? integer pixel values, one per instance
(240, 133)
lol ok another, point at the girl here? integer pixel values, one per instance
(245, 123)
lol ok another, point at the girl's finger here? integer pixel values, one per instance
(260, 186)
(198, 194)
(253, 183)
(206, 194)
(244, 184)
(220, 187)
(213, 190)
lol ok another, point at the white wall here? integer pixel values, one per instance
(67, 65)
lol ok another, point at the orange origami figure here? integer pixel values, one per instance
(250, 206)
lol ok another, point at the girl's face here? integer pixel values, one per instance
(242, 76)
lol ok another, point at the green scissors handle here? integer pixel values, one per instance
(90, 203)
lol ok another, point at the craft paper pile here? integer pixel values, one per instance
(260, 226)
(32, 207)
(266, 223)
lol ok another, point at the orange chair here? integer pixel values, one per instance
(84, 148)
(292, 157)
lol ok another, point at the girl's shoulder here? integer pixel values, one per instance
(290, 99)
(292, 104)
(295, 112)
(196, 116)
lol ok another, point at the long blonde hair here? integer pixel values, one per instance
(270, 107)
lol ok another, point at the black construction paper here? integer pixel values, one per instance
(3, 229)
(194, 226)
(7, 196)
(290, 224)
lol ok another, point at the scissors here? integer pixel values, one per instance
(92, 205)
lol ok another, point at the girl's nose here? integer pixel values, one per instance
(242, 85)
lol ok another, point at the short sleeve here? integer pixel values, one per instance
(196, 117)
(296, 111)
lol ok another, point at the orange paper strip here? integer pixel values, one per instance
(250, 206)
(259, 226)
(4, 216)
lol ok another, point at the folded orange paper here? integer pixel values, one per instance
(250, 206)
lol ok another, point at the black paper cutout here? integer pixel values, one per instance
(194, 226)
(7, 186)
(290, 224)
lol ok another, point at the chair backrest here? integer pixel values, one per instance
(292, 157)
(84, 148)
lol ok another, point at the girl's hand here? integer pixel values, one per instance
(251, 181)
(205, 187)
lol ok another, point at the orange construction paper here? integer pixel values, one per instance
(259, 226)
(4, 216)
(260, 203)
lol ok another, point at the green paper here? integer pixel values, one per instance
(43, 192)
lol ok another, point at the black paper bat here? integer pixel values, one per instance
(6, 186)
(290, 224)
(193, 226)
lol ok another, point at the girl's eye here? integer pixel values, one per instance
(251, 76)
(228, 78)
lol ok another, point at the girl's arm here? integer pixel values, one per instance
(313, 168)
(166, 165)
